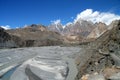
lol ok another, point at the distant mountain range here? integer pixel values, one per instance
(80, 27)
(55, 34)
(79, 30)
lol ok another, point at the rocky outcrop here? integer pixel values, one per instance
(102, 58)
(97, 31)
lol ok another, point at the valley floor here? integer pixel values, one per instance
(38, 63)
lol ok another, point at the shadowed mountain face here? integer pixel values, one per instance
(4, 36)
(7, 40)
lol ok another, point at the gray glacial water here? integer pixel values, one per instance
(39, 63)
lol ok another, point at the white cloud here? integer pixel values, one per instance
(56, 21)
(25, 26)
(96, 16)
(6, 27)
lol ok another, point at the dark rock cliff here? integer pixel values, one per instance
(5, 39)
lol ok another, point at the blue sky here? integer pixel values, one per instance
(17, 13)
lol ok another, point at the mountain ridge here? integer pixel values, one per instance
(74, 33)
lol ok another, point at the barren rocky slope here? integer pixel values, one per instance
(101, 61)
(36, 35)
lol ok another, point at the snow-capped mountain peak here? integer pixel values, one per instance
(56, 26)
